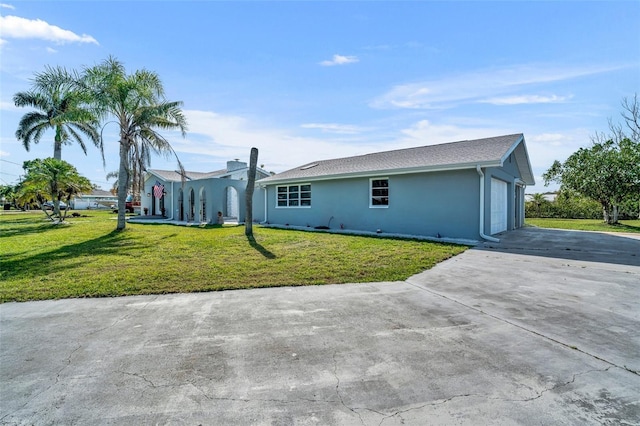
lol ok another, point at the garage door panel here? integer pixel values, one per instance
(498, 206)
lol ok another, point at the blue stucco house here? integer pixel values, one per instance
(197, 197)
(467, 190)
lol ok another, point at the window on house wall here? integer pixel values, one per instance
(294, 196)
(379, 192)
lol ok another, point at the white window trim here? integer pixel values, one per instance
(375, 206)
(287, 186)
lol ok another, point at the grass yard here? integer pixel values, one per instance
(631, 226)
(88, 258)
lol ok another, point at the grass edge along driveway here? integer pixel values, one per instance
(597, 225)
(87, 258)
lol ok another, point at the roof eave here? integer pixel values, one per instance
(385, 172)
(527, 174)
(158, 176)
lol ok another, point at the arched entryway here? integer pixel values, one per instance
(192, 206)
(180, 205)
(203, 205)
(232, 205)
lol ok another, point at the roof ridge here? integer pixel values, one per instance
(488, 151)
(409, 148)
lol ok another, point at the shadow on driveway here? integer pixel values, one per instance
(621, 249)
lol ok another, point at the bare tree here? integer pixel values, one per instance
(631, 115)
(630, 129)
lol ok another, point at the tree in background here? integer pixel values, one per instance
(538, 200)
(51, 179)
(61, 106)
(137, 103)
(8, 194)
(609, 171)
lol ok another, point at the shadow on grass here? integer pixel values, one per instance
(26, 225)
(260, 248)
(113, 243)
(626, 228)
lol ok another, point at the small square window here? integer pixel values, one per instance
(379, 192)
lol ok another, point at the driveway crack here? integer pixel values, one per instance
(556, 386)
(122, 318)
(335, 374)
(67, 362)
(540, 393)
(521, 327)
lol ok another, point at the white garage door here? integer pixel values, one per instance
(498, 206)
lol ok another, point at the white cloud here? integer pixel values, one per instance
(526, 99)
(339, 60)
(7, 6)
(478, 86)
(8, 106)
(17, 27)
(543, 148)
(214, 138)
(426, 133)
(334, 128)
(51, 50)
(221, 137)
(4, 154)
(553, 139)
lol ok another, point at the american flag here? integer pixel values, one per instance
(158, 190)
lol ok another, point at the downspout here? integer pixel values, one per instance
(266, 212)
(518, 183)
(172, 212)
(482, 234)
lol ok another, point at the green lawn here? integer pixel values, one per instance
(87, 258)
(632, 226)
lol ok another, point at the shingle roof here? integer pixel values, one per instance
(173, 175)
(97, 193)
(101, 193)
(454, 155)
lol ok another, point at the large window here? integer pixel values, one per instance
(379, 192)
(294, 196)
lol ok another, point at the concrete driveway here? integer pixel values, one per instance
(541, 328)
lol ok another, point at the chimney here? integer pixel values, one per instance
(235, 165)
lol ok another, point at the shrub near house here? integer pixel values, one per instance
(573, 206)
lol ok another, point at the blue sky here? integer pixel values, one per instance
(305, 81)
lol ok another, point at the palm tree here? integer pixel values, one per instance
(61, 106)
(136, 101)
(51, 179)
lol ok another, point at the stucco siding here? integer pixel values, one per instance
(215, 198)
(427, 204)
(444, 203)
(509, 174)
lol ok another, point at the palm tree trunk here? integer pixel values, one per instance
(248, 221)
(123, 181)
(57, 144)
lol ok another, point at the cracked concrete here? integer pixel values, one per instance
(542, 328)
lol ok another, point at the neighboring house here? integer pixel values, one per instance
(460, 190)
(98, 199)
(199, 196)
